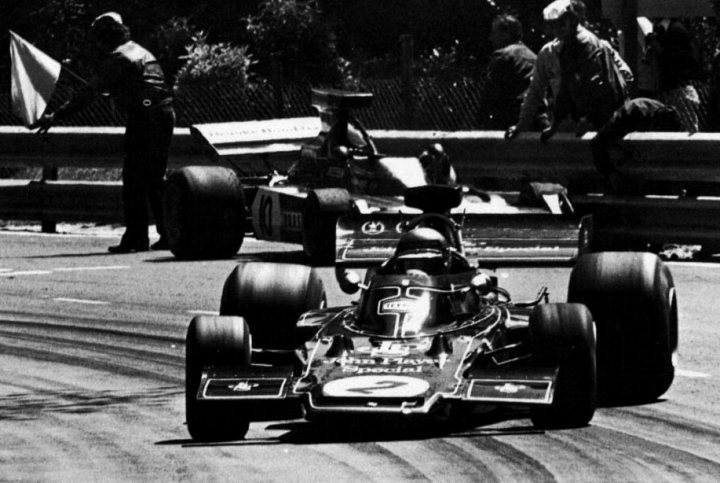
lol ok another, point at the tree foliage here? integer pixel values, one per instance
(329, 42)
(215, 64)
(294, 35)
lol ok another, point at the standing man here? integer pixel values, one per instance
(134, 79)
(591, 84)
(541, 96)
(508, 74)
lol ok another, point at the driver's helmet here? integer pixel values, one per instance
(421, 238)
(421, 252)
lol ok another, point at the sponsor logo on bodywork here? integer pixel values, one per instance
(384, 365)
(292, 220)
(398, 305)
(376, 386)
(394, 349)
(530, 391)
(373, 228)
(242, 386)
(251, 387)
(509, 388)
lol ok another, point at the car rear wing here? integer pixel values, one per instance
(488, 239)
(248, 145)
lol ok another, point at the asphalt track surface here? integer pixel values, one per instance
(91, 387)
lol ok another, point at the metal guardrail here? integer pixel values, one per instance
(674, 157)
(669, 163)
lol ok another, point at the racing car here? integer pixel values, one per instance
(431, 336)
(209, 209)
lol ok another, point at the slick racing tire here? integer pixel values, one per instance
(205, 212)
(633, 302)
(214, 341)
(322, 209)
(271, 297)
(563, 336)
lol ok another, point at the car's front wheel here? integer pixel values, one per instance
(214, 341)
(204, 210)
(563, 335)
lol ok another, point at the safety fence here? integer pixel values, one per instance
(679, 173)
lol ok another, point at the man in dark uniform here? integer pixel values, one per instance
(507, 75)
(134, 79)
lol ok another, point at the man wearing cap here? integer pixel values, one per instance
(540, 97)
(591, 85)
(134, 79)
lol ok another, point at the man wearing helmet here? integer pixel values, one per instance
(133, 77)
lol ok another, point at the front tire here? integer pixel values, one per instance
(214, 341)
(205, 212)
(271, 297)
(563, 335)
(633, 302)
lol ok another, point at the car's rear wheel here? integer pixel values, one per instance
(205, 212)
(214, 341)
(633, 302)
(322, 209)
(271, 297)
(562, 335)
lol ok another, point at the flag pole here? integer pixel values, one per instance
(73, 74)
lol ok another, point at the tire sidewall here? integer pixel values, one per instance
(633, 302)
(271, 297)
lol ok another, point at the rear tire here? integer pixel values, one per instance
(633, 302)
(205, 212)
(322, 209)
(563, 335)
(214, 341)
(271, 297)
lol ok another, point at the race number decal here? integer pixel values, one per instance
(265, 218)
(266, 215)
(376, 386)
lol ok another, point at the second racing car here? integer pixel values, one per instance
(432, 335)
(209, 209)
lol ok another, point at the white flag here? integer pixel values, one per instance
(34, 75)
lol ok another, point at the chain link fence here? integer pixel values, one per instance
(426, 103)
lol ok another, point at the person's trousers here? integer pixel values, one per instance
(147, 142)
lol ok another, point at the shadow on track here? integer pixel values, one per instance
(360, 430)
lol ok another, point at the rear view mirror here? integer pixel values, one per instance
(482, 283)
(349, 280)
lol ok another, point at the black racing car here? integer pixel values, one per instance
(431, 335)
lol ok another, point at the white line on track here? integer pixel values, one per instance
(78, 269)
(203, 312)
(691, 374)
(693, 264)
(9, 272)
(25, 272)
(81, 301)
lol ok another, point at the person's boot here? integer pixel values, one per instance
(130, 246)
(161, 244)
